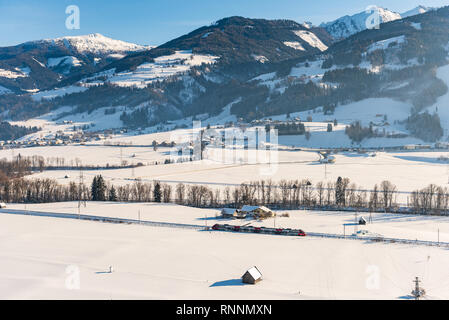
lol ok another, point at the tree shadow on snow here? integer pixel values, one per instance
(228, 283)
(211, 218)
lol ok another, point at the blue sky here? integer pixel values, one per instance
(157, 21)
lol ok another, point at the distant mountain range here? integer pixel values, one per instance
(248, 68)
(348, 25)
(41, 64)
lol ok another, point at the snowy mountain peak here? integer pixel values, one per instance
(349, 25)
(96, 43)
(418, 10)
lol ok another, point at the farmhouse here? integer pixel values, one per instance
(257, 211)
(229, 213)
(252, 276)
(410, 147)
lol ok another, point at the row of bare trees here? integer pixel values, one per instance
(431, 200)
(286, 194)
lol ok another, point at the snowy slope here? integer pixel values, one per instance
(4, 90)
(162, 68)
(442, 105)
(418, 10)
(12, 74)
(349, 25)
(311, 39)
(95, 43)
(58, 92)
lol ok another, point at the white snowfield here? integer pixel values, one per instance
(96, 43)
(53, 258)
(385, 44)
(12, 74)
(64, 61)
(311, 39)
(441, 106)
(51, 94)
(295, 45)
(400, 226)
(349, 25)
(409, 171)
(162, 68)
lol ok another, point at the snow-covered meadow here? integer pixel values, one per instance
(409, 171)
(45, 257)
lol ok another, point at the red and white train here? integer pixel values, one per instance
(251, 229)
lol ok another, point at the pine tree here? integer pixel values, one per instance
(112, 194)
(101, 189)
(157, 193)
(94, 189)
(98, 189)
(339, 196)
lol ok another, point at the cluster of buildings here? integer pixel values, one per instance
(255, 212)
(60, 138)
(260, 122)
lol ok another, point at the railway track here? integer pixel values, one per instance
(229, 228)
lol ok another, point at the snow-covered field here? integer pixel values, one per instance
(404, 226)
(92, 154)
(162, 68)
(407, 170)
(42, 258)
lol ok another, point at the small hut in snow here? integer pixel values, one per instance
(362, 221)
(252, 276)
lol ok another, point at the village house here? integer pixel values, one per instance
(229, 213)
(257, 211)
(232, 213)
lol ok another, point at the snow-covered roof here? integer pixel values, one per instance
(255, 273)
(247, 208)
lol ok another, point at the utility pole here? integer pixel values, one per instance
(81, 184)
(201, 144)
(418, 292)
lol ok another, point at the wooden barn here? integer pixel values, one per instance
(229, 213)
(252, 276)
